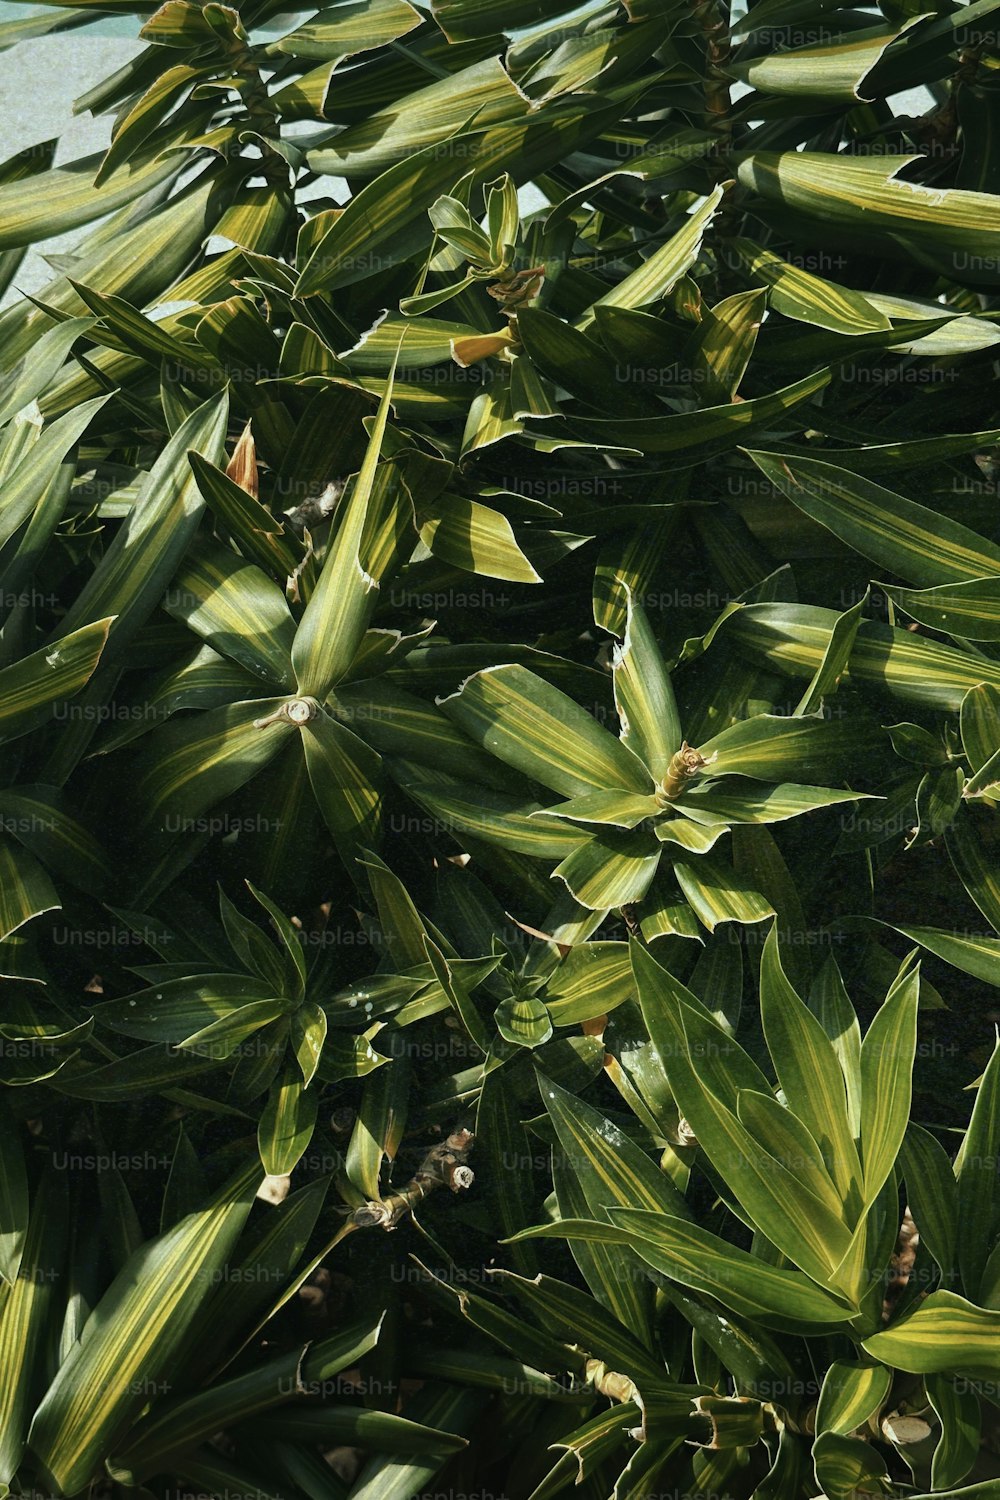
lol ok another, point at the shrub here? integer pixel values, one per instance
(500, 599)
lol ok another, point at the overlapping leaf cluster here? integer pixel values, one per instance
(500, 701)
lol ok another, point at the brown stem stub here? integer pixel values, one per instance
(445, 1165)
(292, 711)
(685, 763)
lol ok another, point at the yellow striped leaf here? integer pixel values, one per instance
(346, 777)
(744, 1284)
(792, 640)
(134, 1337)
(661, 272)
(287, 1123)
(945, 1333)
(887, 1055)
(65, 197)
(810, 1075)
(710, 430)
(610, 869)
(978, 1192)
(970, 609)
(193, 763)
(345, 30)
(644, 695)
(716, 893)
(976, 868)
(341, 605)
(27, 1308)
(921, 545)
(861, 201)
(130, 579)
(25, 888)
(534, 727)
(957, 1410)
(484, 92)
(851, 1394)
(807, 298)
(237, 610)
(837, 72)
(512, 822)
(38, 685)
(706, 1068)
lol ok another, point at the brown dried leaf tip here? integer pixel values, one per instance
(242, 467)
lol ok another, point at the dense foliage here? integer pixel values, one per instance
(500, 700)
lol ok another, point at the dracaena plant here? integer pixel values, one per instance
(404, 355)
(809, 1165)
(646, 799)
(165, 1350)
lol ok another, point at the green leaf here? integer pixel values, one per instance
(978, 1192)
(260, 533)
(578, 1319)
(35, 688)
(39, 366)
(25, 888)
(192, 763)
(497, 817)
(63, 198)
(744, 1285)
(976, 869)
(346, 778)
(792, 639)
(175, 1426)
(970, 610)
(483, 92)
(830, 1002)
(13, 1197)
(932, 1194)
(613, 1171)
(716, 893)
(810, 1074)
(860, 201)
(346, 30)
(287, 1123)
(610, 869)
(772, 746)
(591, 981)
(534, 727)
(644, 695)
(133, 1338)
(474, 537)
(851, 1394)
(130, 579)
(706, 1068)
(837, 72)
(697, 434)
(973, 955)
(921, 545)
(722, 347)
(237, 610)
(847, 1467)
(945, 1334)
(177, 1008)
(28, 1313)
(616, 809)
(740, 801)
(662, 270)
(887, 1055)
(810, 299)
(957, 1410)
(342, 603)
(980, 725)
(440, 1417)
